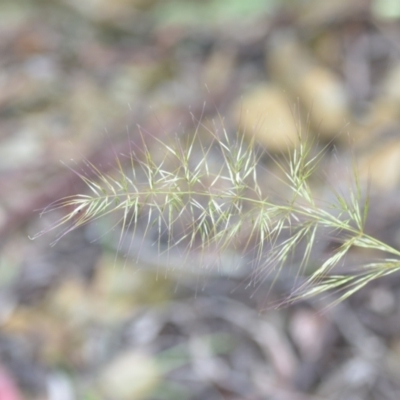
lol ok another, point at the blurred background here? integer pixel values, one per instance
(80, 321)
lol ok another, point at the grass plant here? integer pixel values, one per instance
(194, 204)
